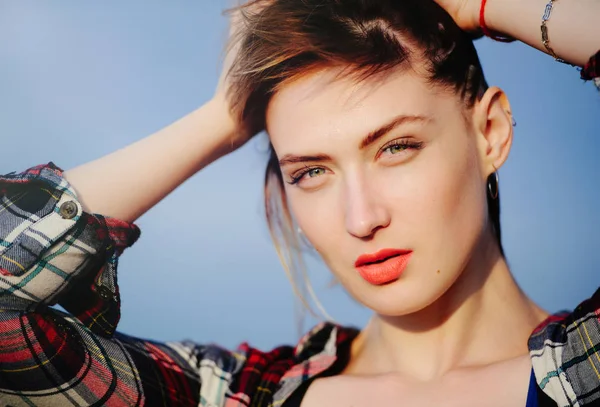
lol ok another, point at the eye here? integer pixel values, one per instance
(396, 147)
(306, 173)
(315, 172)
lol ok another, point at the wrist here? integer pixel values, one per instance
(494, 15)
(218, 109)
(515, 18)
(199, 138)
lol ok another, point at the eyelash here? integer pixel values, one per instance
(404, 144)
(298, 175)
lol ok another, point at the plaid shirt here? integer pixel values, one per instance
(52, 252)
(591, 70)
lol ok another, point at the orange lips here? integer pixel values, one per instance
(383, 267)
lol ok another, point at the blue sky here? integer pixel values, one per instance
(81, 79)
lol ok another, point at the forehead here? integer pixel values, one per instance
(323, 104)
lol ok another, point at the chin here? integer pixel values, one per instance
(402, 297)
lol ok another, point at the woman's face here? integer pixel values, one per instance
(382, 164)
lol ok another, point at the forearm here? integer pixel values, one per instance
(573, 27)
(128, 182)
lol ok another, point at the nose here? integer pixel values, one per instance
(366, 212)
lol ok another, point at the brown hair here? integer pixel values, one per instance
(285, 39)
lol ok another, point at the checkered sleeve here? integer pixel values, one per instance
(52, 252)
(565, 352)
(591, 70)
(49, 358)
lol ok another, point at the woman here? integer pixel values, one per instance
(386, 140)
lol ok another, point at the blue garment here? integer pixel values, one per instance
(532, 399)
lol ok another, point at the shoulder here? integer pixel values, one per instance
(565, 353)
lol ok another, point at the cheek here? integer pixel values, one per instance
(450, 205)
(320, 216)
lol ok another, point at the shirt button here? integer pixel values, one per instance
(105, 293)
(68, 210)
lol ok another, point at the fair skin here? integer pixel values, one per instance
(435, 335)
(573, 28)
(434, 325)
(209, 132)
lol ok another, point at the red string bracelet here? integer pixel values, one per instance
(486, 31)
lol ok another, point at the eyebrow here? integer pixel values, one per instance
(292, 159)
(386, 128)
(372, 137)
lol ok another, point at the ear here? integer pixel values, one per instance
(493, 123)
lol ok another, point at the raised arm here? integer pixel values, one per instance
(573, 29)
(61, 235)
(51, 251)
(148, 170)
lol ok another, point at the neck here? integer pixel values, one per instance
(484, 318)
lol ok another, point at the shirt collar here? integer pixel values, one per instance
(316, 352)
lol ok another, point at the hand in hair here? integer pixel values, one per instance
(464, 12)
(236, 34)
(574, 43)
(187, 146)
